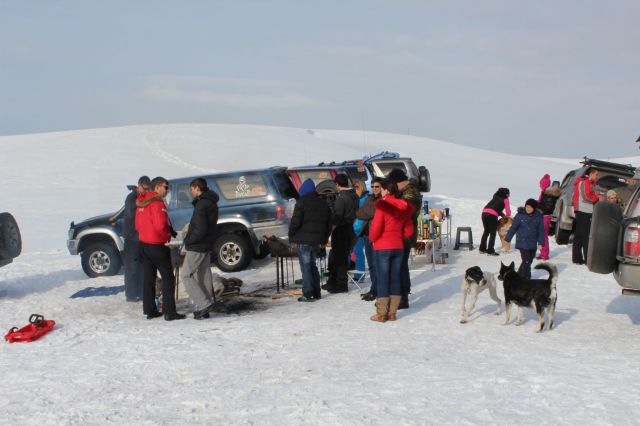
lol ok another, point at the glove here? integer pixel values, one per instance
(173, 232)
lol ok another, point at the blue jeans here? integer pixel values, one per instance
(368, 251)
(358, 250)
(310, 274)
(388, 264)
(405, 278)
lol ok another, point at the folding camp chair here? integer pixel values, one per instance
(351, 276)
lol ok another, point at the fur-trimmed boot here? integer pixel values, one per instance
(394, 302)
(382, 309)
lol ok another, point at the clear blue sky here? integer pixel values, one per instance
(557, 78)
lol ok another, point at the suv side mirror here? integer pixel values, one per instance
(424, 179)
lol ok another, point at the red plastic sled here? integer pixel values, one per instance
(38, 327)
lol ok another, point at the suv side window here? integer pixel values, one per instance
(183, 196)
(316, 176)
(242, 186)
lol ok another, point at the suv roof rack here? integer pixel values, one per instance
(380, 155)
(599, 163)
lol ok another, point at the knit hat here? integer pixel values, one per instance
(545, 182)
(307, 187)
(397, 176)
(531, 202)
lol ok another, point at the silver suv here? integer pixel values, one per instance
(609, 173)
(253, 204)
(614, 241)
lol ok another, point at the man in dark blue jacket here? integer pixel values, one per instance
(198, 244)
(528, 226)
(133, 273)
(310, 228)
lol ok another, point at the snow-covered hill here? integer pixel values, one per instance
(285, 362)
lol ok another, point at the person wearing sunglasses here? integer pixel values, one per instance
(154, 230)
(132, 266)
(365, 213)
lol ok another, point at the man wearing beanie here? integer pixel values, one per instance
(310, 228)
(528, 227)
(410, 193)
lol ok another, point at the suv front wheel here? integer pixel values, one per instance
(101, 260)
(232, 252)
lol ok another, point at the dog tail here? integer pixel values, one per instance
(553, 274)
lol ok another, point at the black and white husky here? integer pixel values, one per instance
(525, 292)
(474, 282)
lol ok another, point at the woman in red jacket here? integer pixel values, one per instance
(391, 225)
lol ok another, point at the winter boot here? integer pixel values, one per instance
(404, 301)
(394, 303)
(382, 308)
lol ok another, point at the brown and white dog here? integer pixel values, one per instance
(504, 224)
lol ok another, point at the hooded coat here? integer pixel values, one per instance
(391, 223)
(498, 203)
(528, 229)
(152, 221)
(202, 227)
(311, 220)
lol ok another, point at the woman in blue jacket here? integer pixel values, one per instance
(528, 226)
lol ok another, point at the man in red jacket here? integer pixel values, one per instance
(584, 197)
(154, 231)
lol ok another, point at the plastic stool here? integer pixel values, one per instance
(469, 243)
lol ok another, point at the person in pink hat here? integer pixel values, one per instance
(549, 194)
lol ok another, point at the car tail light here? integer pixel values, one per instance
(279, 212)
(632, 241)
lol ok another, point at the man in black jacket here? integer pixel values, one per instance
(309, 228)
(198, 244)
(342, 235)
(133, 273)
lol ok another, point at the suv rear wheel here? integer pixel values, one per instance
(603, 238)
(10, 240)
(232, 252)
(101, 260)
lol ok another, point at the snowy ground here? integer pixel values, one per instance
(284, 362)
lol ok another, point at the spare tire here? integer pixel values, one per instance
(424, 179)
(10, 239)
(603, 238)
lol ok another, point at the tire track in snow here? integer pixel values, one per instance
(154, 148)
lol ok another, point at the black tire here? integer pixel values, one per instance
(10, 239)
(233, 252)
(603, 238)
(101, 259)
(562, 235)
(424, 179)
(263, 251)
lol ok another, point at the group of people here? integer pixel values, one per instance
(147, 230)
(383, 223)
(380, 226)
(531, 223)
